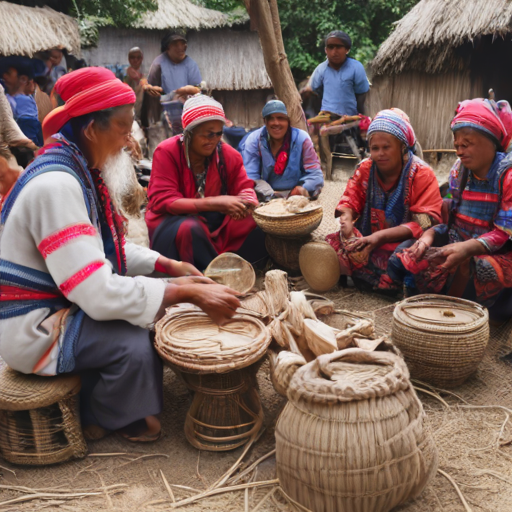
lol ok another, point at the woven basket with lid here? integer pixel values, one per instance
(39, 418)
(351, 437)
(442, 339)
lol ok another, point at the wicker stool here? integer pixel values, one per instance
(39, 418)
(225, 411)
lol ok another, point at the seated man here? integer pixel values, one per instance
(69, 301)
(200, 198)
(281, 159)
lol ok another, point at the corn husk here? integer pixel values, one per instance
(256, 303)
(283, 366)
(320, 337)
(299, 300)
(276, 291)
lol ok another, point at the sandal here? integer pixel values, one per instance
(138, 431)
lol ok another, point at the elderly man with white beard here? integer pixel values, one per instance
(74, 298)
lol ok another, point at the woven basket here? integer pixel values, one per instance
(292, 225)
(319, 265)
(187, 339)
(442, 339)
(231, 270)
(351, 437)
(39, 418)
(285, 251)
(226, 409)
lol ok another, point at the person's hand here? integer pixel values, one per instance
(233, 206)
(418, 250)
(217, 301)
(450, 256)
(366, 243)
(176, 268)
(153, 90)
(8, 176)
(299, 191)
(187, 90)
(306, 92)
(186, 280)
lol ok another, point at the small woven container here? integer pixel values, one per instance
(442, 339)
(219, 364)
(319, 265)
(291, 225)
(285, 251)
(232, 270)
(351, 436)
(39, 418)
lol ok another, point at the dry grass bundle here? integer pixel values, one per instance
(351, 436)
(190, 340)
(443, 339)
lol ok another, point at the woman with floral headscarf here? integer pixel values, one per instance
(392, 197)
(470, 255)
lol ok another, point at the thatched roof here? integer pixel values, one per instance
(27, 30)
(427, 37)
(182, 14)
(229, 59)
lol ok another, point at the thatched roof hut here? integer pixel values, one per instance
(27, 30)
(440, 53)
(182, 14)
(229, 56)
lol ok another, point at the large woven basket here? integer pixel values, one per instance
(186, 338)
(285, 251)
(39, 418)
(292, 225)
(442, 339)
(351, 437)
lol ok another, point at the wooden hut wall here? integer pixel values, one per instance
(114, 44)
(243, 107)
(429, 100)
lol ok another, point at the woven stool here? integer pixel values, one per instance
(39, 418)
(285, 251)
(225, 411)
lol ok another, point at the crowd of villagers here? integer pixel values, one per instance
(76, 297)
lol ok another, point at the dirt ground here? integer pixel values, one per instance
(473, 443)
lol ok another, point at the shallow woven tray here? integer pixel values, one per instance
(292, 225)
(231, 270)
(439, 348)
(186, 339)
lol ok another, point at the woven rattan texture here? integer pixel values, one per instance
(46, 435)
(351, 436)
(292, 226)
(20, 392)
(184, 339)
(439, 353)
(285, 251)
(231, 270)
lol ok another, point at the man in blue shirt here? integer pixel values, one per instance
(343, 85)
(281, 159)
(169, 73)
(340, 79)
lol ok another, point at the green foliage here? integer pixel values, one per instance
(306, 22)
(221, 5)
(120, 13)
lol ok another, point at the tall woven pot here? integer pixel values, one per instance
(442, 339)
(351, 437)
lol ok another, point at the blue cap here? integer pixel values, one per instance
(274, 107)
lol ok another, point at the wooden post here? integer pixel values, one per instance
(265, 16)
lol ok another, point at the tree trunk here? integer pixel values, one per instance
(265, 15)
